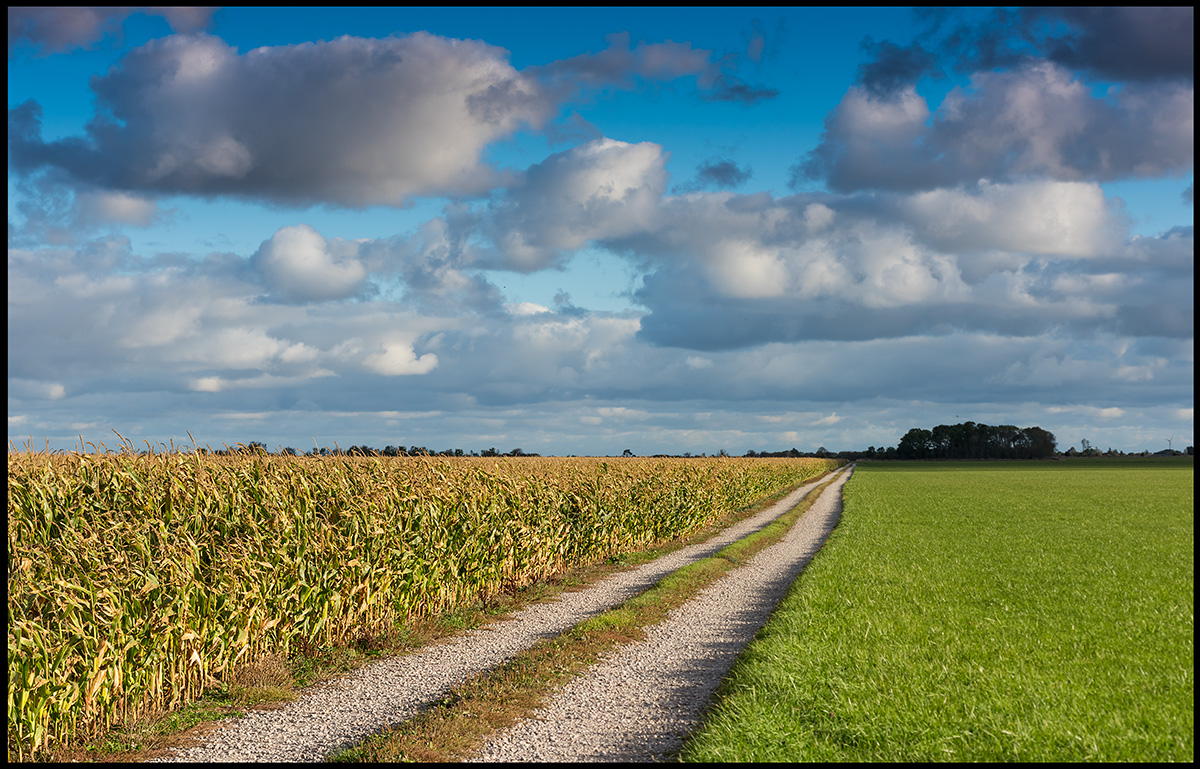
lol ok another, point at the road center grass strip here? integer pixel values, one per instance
(980, 612)
(458, 725)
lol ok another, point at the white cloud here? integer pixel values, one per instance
(36, 389)
(302, 266)
(1044, 217)
(1032, 121)
(598, 190)
(216, 384)
(101, 207)
(526, 308)
(398, 358)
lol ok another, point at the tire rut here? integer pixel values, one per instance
(643, 701)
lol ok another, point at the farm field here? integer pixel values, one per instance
(962, 611)
(135, 582)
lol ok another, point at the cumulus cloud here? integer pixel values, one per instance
(1046, 218)
(599, 190)
(299, 265)
(174, 331)
(78, 324)
(727, 271)
(1036, 121)
(397, 358)
(56, 30)
(351, 121)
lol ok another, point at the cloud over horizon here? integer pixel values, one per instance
(415, 238)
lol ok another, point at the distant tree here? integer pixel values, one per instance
(916, 444)
(627, 453)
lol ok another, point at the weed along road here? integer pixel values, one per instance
(679, 664)
(640, 704)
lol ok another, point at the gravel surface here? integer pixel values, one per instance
(342, 713)
(640, 703)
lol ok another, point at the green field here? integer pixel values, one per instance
(966, 611)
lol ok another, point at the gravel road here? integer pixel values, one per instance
(641, 702)
(342, 713)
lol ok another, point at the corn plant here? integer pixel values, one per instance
(136, 581)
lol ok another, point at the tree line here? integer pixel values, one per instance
(969, 440)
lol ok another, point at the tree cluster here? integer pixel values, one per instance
(969, 440)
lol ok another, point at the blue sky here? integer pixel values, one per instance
(577, 231)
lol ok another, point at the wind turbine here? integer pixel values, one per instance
(1169, 444)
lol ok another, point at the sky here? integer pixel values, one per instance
(581, 231)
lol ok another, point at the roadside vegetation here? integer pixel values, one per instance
(458, 725)
(1006, 611)
(141, 583)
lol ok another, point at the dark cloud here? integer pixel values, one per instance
(892, 67)
(731, 88)
(352, 121)
(716, 173)
(1124, 43)
(56, 30)
(622, 65)
(1134, 43)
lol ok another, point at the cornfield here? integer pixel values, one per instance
(136, 581)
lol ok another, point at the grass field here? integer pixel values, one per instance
(1007, 611)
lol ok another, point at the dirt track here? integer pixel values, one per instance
(685, 656)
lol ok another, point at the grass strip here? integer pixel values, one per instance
(457, 725)
(979, 612)
(270, 683)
